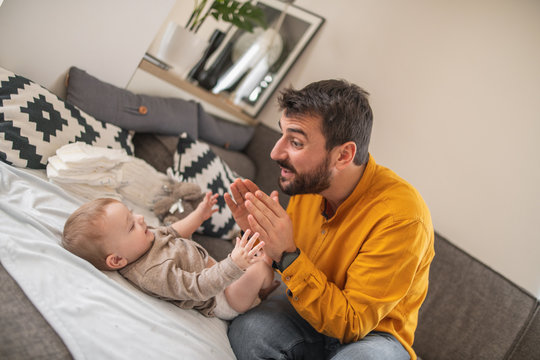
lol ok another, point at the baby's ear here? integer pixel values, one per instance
(115, 261)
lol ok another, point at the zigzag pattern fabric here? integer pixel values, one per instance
(195, 162)
(34, 123)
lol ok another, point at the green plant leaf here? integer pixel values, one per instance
(243, 15)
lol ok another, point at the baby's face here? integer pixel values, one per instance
(126, 234)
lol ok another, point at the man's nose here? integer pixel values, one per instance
(277, 152)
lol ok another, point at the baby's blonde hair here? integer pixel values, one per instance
(83, 234)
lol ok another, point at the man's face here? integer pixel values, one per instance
(301, 153)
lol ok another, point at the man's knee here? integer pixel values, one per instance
(271, 330)
(244, 325)
(252, 334)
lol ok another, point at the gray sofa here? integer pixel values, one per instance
(471, 312)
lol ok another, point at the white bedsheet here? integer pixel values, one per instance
(99, 315)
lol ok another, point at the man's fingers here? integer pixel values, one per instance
(242, 186)
(254, 225)
(229, 201)
(260, 212)
(265, 205)
(269, 202)
(250, 185)
(236, 191)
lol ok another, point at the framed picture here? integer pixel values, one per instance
(248, 67)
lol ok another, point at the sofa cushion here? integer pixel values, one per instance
(128, 110)
(195, 162)
(239, 162)
(158, 151)
(34, 123)
(155, 114)
(471, 312)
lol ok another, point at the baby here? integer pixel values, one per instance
(164, 263)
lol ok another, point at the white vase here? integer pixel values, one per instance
(180, 48)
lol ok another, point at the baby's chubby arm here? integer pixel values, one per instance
(187, 226)
(175, 283)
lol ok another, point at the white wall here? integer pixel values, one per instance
(43, 39)
(455, 89)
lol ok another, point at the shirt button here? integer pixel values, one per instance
(143, 110)
(323, 232)
(289, 292)
(287, 278)
(296, 298)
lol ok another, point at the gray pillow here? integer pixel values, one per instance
(130, 111)
(152, 114)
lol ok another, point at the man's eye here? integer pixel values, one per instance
(296, 143)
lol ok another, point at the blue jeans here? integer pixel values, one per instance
(274, 330)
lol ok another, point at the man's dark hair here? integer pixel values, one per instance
(342, 107)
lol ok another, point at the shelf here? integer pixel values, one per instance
(216, 100)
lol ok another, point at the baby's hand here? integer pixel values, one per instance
(206, 206)
(244, 252)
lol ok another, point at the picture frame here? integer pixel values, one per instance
(248, 67)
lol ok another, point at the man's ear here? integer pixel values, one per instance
(115, 261)
(346, 153)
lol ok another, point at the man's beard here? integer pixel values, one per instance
(313, 182)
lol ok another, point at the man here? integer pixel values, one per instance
(353, 248)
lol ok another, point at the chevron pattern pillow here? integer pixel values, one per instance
(195, 162)
(34, 123)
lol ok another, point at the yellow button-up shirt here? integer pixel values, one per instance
(365, 268)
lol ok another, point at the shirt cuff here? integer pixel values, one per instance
(299, 275)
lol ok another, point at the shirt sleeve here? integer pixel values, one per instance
(377, 280)
(169, 281)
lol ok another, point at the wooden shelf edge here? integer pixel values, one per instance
(216, 100)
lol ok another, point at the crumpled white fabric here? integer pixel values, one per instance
(93, 172)
(98, 315)
(79, 155)
(81, 163)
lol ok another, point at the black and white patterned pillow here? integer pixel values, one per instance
(34, 123)
(195, 162)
